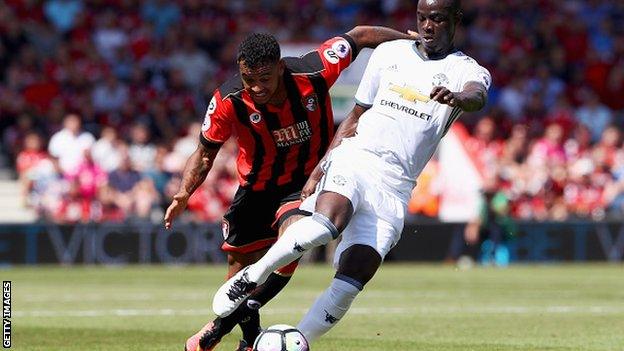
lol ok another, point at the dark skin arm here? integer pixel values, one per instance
(371, 36)
(346, 129)
(472, 98)
(195, 172)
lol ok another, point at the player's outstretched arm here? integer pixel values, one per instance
(346, 129)
(195, 172)
(371, 36)
(472, 98)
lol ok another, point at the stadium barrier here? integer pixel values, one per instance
(145, 243)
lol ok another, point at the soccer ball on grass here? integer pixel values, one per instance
(281, 337)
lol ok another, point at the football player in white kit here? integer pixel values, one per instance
(410, 94)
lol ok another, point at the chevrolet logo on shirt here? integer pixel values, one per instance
(408, 93)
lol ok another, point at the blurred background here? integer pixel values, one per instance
(101, 103)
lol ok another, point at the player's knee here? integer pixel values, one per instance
(337, 208)
(358, 263)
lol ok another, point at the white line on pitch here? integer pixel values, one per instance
(355, 310)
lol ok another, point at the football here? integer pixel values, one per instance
(281, 337)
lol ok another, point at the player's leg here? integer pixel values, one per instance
(357, 266)
(278, 279)
(247, 313)
(332, 214)
(332, 206)
(247, 232)
(210, 335)
(365, 242)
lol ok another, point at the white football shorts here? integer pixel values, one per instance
(378, 212)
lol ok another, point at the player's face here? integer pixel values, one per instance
(436, 25)
(261, 82)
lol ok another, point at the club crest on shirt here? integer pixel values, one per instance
(339, 180)
(440, 79)
(255, 117)
(341, 48)
(310, 102)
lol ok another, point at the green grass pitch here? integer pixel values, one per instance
(405, 307)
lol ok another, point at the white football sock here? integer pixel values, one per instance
(328, 309)
(306, 233)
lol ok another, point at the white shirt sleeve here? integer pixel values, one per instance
(476, 73)
(367, 90)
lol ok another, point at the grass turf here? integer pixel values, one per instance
(405, 307)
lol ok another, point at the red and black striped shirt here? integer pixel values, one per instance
(281, 145)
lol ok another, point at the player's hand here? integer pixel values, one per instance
(308, 188)
(180, 200)
(413, 33)
(445, 96)
(310, 185)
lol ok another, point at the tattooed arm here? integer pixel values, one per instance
(195, 173)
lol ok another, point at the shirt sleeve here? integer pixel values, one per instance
(367, 90)
(476, 73)
(336, 54)
(217, 126)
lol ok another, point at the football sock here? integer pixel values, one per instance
(265, 292)
(250, 323)
(306, 233)
(329, 308)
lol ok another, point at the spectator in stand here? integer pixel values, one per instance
(546, 85)
(109, 37)
(28, 159)
(13, 136)
(162, 14)
(109, 96)
(88, 177)
(72, 208)
(513, 99)
(55, 55)
(67, 145)
(107, 150)
(185, 146)
(142, 152)
(129, 192)
(194, 64)
(593, 114)
(548, 150)
(62, 13)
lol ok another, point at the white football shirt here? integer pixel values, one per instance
(402, 126)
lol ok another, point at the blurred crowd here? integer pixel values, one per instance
(100, 99)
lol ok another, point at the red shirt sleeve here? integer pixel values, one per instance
(336, 54)
(217, 126)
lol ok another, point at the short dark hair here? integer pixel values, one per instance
(258, 49)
